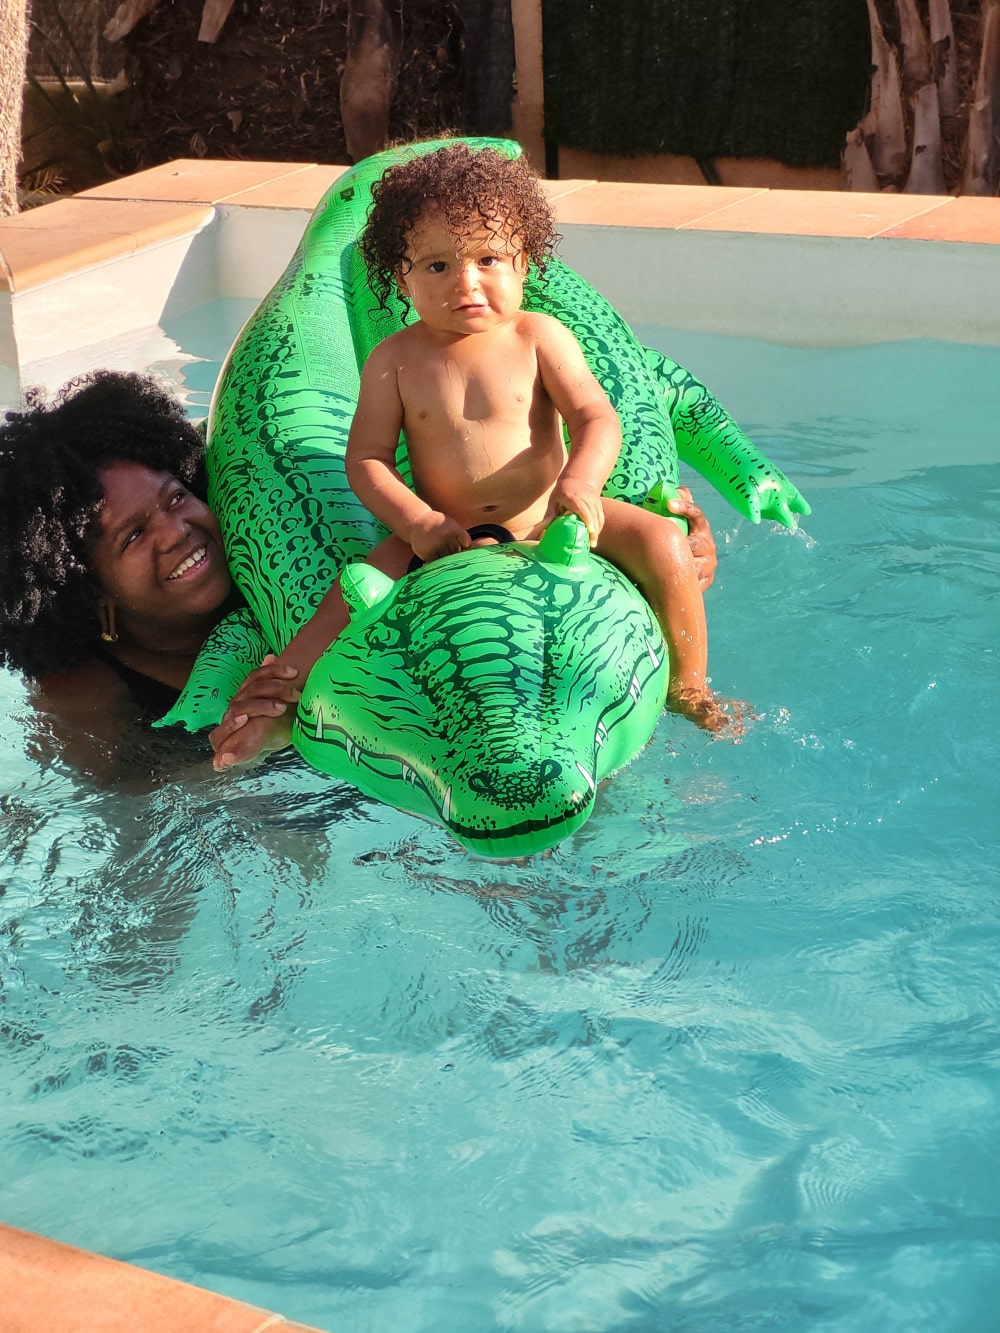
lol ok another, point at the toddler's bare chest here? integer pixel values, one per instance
(501, 388)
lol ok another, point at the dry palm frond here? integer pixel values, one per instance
(39, 187)
(213, 16)
(126, 16)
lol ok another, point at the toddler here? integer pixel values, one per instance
(480, 389)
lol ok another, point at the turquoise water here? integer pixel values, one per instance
(729, 1059)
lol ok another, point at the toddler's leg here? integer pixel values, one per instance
(655, 554)
(331, 615)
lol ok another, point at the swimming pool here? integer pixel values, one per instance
(726, 1059)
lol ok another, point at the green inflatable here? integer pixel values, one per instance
(491, 691)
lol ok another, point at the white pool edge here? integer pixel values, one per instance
(797, 289)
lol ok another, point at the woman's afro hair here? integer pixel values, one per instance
(471, 188)
(51, 458)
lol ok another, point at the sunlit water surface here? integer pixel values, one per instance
(727, 1059)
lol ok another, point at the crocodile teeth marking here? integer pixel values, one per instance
(409, 775)
(588, 779)
(601, 735)
(446, 806)
(653, 655)
(318, 730)
(635, 689)
(353, 752)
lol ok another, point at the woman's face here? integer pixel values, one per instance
(159, 554)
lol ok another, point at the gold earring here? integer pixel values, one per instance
(107, 613)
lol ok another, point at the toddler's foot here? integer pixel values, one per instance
(723, 717)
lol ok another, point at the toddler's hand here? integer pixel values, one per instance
(245, 739)
(257, 719)
(436, 535)
(578, 497)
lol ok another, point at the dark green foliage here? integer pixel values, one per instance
(743, 78)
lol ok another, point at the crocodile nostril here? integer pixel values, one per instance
(514, 783)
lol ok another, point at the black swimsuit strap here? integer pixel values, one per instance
(501, 534)
(150, 695)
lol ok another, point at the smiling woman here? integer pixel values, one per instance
(112, 571)
(158, 561)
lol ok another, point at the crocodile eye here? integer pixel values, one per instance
(481, 783)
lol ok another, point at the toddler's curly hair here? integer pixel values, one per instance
(51, 459)
(471, 188)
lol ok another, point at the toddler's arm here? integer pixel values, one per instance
(372, 472)
(595, 435)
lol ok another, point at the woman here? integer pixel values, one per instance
(112, 572)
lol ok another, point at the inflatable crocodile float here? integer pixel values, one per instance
(491, 691)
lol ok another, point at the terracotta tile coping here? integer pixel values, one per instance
(72, 234)
(47, 1286)
(180, 197)
(777, 212)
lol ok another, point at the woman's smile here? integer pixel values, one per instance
(196, 561)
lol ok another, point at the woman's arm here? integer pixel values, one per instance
(82, 717)
(699, 536)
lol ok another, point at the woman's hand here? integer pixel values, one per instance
(258, 719)
(572, 496)
(436, 535)
(700, 537)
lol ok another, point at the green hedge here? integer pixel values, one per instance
(743, 78)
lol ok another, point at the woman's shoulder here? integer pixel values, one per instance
(90, 718)
(93, 685)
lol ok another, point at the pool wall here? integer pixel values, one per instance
(782, 265)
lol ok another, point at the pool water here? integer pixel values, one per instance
(727, 1059)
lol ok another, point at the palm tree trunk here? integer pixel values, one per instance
(369, 77)
(926, 172)
(982, 170)
(917, 118)
(13, 59)
(885, 119)
(913, 40)
(945, 56)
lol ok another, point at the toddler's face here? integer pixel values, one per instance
(462, 282)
